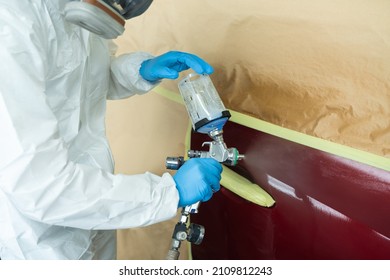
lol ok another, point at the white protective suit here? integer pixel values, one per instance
(59, 198)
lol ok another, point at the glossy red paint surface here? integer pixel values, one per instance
(327, 207)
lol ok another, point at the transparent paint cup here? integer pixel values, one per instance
(202, 102)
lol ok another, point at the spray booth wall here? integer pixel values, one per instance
(318, 67)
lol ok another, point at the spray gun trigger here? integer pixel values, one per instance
(206, 144)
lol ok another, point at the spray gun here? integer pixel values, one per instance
(208, 116)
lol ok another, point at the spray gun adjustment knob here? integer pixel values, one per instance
(198, 154)
(195, 234)
(174, 163)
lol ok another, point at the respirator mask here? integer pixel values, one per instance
(105, 18)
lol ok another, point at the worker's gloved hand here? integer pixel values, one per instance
(197, 179)
(170, 64)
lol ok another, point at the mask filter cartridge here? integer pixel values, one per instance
(97, 17)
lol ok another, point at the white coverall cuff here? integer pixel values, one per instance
(149, 199)
(125, 71)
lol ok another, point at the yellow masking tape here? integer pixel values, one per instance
(311, 141)
(169, 94)
(297, 137)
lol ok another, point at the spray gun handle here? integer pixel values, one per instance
(174, 163)
(191, 209)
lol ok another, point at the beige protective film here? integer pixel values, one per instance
(291, 135)
(320, 68)
(143, 131)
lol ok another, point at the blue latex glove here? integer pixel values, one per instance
(170, 64)
(197, 179)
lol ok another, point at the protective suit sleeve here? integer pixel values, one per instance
(125, 77)
(36, 174)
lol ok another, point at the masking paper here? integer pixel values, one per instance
(317, 67)
(143, 131)
(321, 68)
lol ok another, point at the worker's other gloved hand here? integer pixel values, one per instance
(170, 64)
(197, 179)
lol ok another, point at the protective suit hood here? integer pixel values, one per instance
(105, 18)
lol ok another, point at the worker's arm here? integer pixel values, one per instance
(140, 72)
(37, 175)
(126, 80)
